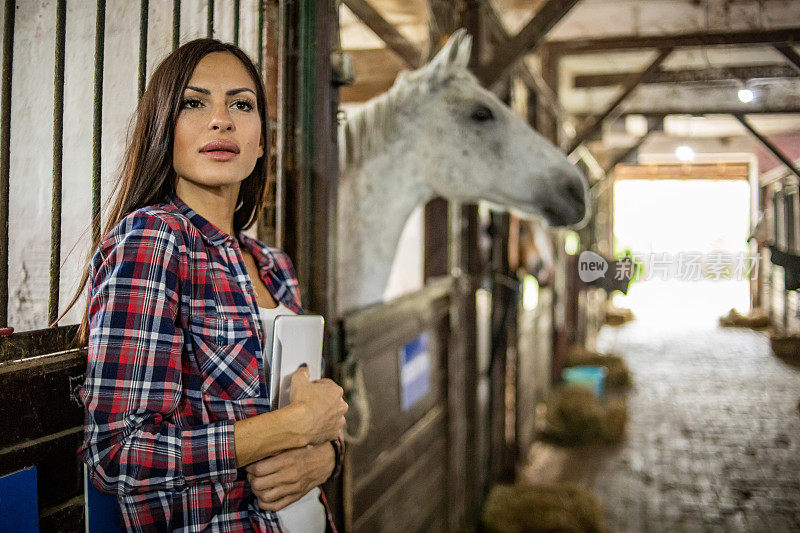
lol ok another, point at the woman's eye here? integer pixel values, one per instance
(243, 105)
(190, 103)
(482, 114)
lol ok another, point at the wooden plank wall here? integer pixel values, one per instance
(42, 420)
(396, 478)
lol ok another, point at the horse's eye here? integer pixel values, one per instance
(482, 114)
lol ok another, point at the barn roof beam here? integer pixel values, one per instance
(715, 74)
(530, 78)
(604, 44)
(657, 112)
(768, 144)
(594, 122)
(398, 44)
(791, 56)
(653, 124)
(542, 22)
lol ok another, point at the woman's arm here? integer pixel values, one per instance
(133, 381)
(315, 415)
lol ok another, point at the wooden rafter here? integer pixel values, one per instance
(628, 151)
(698, 111)
(401, 46)
(604, 44)
(530, 78)
(595, 122)
(742, 72)
(546, 17)
(767, 144)
(791, 56)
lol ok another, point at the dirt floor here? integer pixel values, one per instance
(713, 437)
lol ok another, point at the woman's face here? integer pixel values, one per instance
(218, 130)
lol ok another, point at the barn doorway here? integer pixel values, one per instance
(690, 236)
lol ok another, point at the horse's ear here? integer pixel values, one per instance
(464, 51)
(451, 55)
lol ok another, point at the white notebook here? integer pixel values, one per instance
(296, 339)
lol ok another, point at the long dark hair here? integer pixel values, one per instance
(147, 176)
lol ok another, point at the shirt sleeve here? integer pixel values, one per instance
(133, 379)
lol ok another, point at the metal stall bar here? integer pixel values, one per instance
(305, 158)
(210, 20)
(260, 54)
(58, 150)
(143, 19)
(176, 23)
(97, 119)
(236, 11)
(5, 149)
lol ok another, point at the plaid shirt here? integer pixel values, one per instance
(175, 357)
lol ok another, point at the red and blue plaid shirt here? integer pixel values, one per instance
(175, 357)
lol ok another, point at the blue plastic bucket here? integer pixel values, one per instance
(593, 377)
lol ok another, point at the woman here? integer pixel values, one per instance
(178, 422)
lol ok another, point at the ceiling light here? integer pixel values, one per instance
(684, 153)
(746, 95)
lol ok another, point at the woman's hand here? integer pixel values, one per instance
(283, 479)
(321, 406)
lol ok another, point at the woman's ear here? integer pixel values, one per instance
(261, 147)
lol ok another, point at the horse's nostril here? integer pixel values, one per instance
(575, 192)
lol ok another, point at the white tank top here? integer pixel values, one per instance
(306, 515)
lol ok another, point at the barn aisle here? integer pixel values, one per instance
(713, 438)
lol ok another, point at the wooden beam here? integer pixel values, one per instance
(791, 56)
(386, 32)
(530, 78)
(626, 42)
(546, 17)
(442, 22)
(594, 123)
(649, 112)
(628, 151)
(377, 69)
(741, 72)
(683, 171)
(768, 144)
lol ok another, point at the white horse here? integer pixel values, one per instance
(437, 132)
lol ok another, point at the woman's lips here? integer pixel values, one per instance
(219, 155)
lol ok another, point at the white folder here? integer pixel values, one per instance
(296, 339)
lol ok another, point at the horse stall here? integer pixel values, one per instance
(72, 75)
(427, 463)
(410, 232)
(777, 239)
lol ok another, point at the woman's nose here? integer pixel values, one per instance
(221, 119)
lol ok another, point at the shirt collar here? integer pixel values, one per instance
(209, 231)
(216, 237)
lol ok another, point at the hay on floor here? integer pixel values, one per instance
(616, 316)
(575, 417)
(757, 319)
(554, 507)
(786, 348)
(619, 375)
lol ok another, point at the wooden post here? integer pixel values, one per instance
(311, 170)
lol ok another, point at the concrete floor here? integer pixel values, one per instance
(713, 437)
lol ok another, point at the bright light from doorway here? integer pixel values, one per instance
(684, 153)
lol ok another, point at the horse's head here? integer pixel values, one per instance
(479, 148)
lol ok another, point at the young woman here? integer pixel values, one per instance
(178, 422)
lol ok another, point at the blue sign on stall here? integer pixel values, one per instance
(19, 508)
(415, 370)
